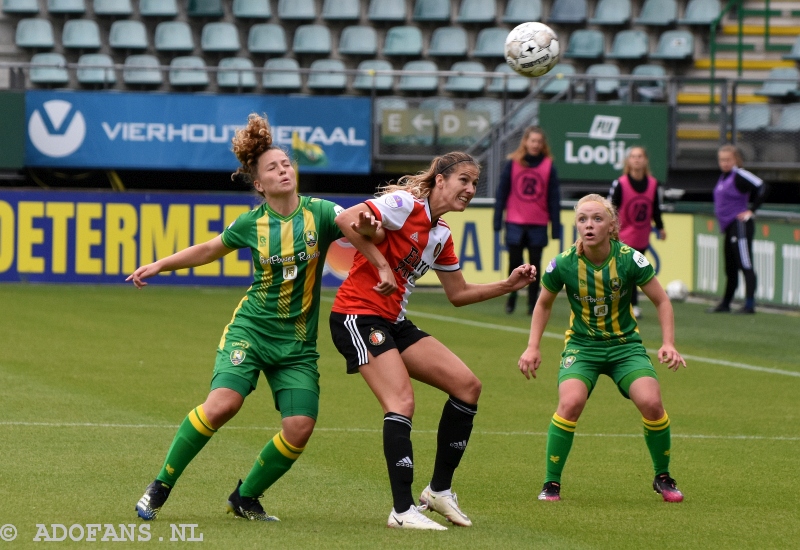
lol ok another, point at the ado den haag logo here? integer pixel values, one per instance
(60, 132)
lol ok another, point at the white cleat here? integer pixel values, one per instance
(413, 519)
(445, 503)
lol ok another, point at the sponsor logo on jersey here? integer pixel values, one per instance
(237, 356)
(289, 272)
(551, 266)
(262, 240)
(601, 310)
(568, 361)
(582, 282)
(241, 344)
(415, 236)
(616, 284)
(639, 258)
(376, 337)
(337, 209)
(311, 238)
(394, 201)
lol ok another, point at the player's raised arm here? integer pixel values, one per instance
(199, 254)
(462, 293)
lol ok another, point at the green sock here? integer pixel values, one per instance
(274, 460)
(659, 441)
(194, 433)
(559, 442)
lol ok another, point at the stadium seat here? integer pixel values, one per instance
(296, 10)
(658, 13)
(96, 68)
(700, 12)
(128, 35)
(49, 68)
(158, 8)
(558, 83)
(312, 39)
(358, 40)
(650, 90)
(675, 45)
(113, 8)
(336, 79)
(795, 52)
(752, 117)
(437, 105)
(251, 9)
(236, 72)
(281, 74)
(514, 83)
(142, 70)
(205, 8)
(611, 12)
(585, 44)
(522, 11)
(174, 36)
(220, 37)
(341, 10)
(419, 82)
(568, 12)
(780, 83)
(267, 38)
(387, 10)
(66, 7)
(604, 85)
(466, 83)
(404, 40)
(477, 11)
(789, 120)
(431, 10)
(21, 7)
(527, 115)
(189, 71)
(490, 42)
(34, 33)
(494, 107)
(448, 41)
(382, 104)
(81, 34)
(367, 80)
(629, 44)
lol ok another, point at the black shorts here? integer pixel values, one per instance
(355, 335)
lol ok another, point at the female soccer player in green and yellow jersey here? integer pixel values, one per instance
(273, 329)
(599, 273)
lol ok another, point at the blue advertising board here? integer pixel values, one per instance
(102, 237)
(189, 131)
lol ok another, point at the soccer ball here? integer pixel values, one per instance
(677, 291)
(532, 49)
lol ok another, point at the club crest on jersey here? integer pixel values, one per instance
(616, 284)
(289, 272)
(568, 361)
(437, 250)
(311, 238)
(394, 201)
(376, 337)
(237, 356)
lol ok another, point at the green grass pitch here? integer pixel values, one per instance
(95, 379)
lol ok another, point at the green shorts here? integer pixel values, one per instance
(623, 363)
(290, 368)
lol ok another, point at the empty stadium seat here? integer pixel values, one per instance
(675, 45)
(128, 35)
(220, 36)
(494, 107)
(526, 115)
(341, 10)
(780, 83)
(650, 90)
(557, 83)
(431, 10)
(368, 80)
(73, 7)
(205, 8)
(312, 39)
(466, 83)
(34, 33)
(789, 119)
(336, 79)
(386, 10)
(700, 12)
(604, 85)
(522, 11)
(388, 104)
(404, 40)
(752, 117)
(358, 40)
(490, 42)
(189, 71)
(448, 41)
(115, 8)
(297, 10)
(658, 13)
(142, 70)
(251, 9)
(419, 82)
(21, 7)
(49, 68)
(513, 83)
(236, 72)
(81, 34)
(281, 74)
(174, 36)
(267, 38)
(568, 12)
(585, 44)
(477, 11)
(437, 105)
(158, 8)
(795, 52)
(629, 44)
(611, 12)
(96, 68)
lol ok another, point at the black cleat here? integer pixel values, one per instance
(247, 507)
(745, 311)
(551, 491)
(511, 303)
(721, 308)
(153, 499)
(666, 487)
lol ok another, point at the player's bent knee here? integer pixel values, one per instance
(298, 429)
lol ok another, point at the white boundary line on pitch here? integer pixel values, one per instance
(375, 430)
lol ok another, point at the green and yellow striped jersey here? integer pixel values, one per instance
(600, 296)
(288, 258)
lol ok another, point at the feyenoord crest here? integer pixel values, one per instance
(377, 337)
(237, 356)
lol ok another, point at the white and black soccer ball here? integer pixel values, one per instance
(532, 49)
(677, 291)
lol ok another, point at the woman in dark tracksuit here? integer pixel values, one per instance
(529, 193)
(735, 188)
